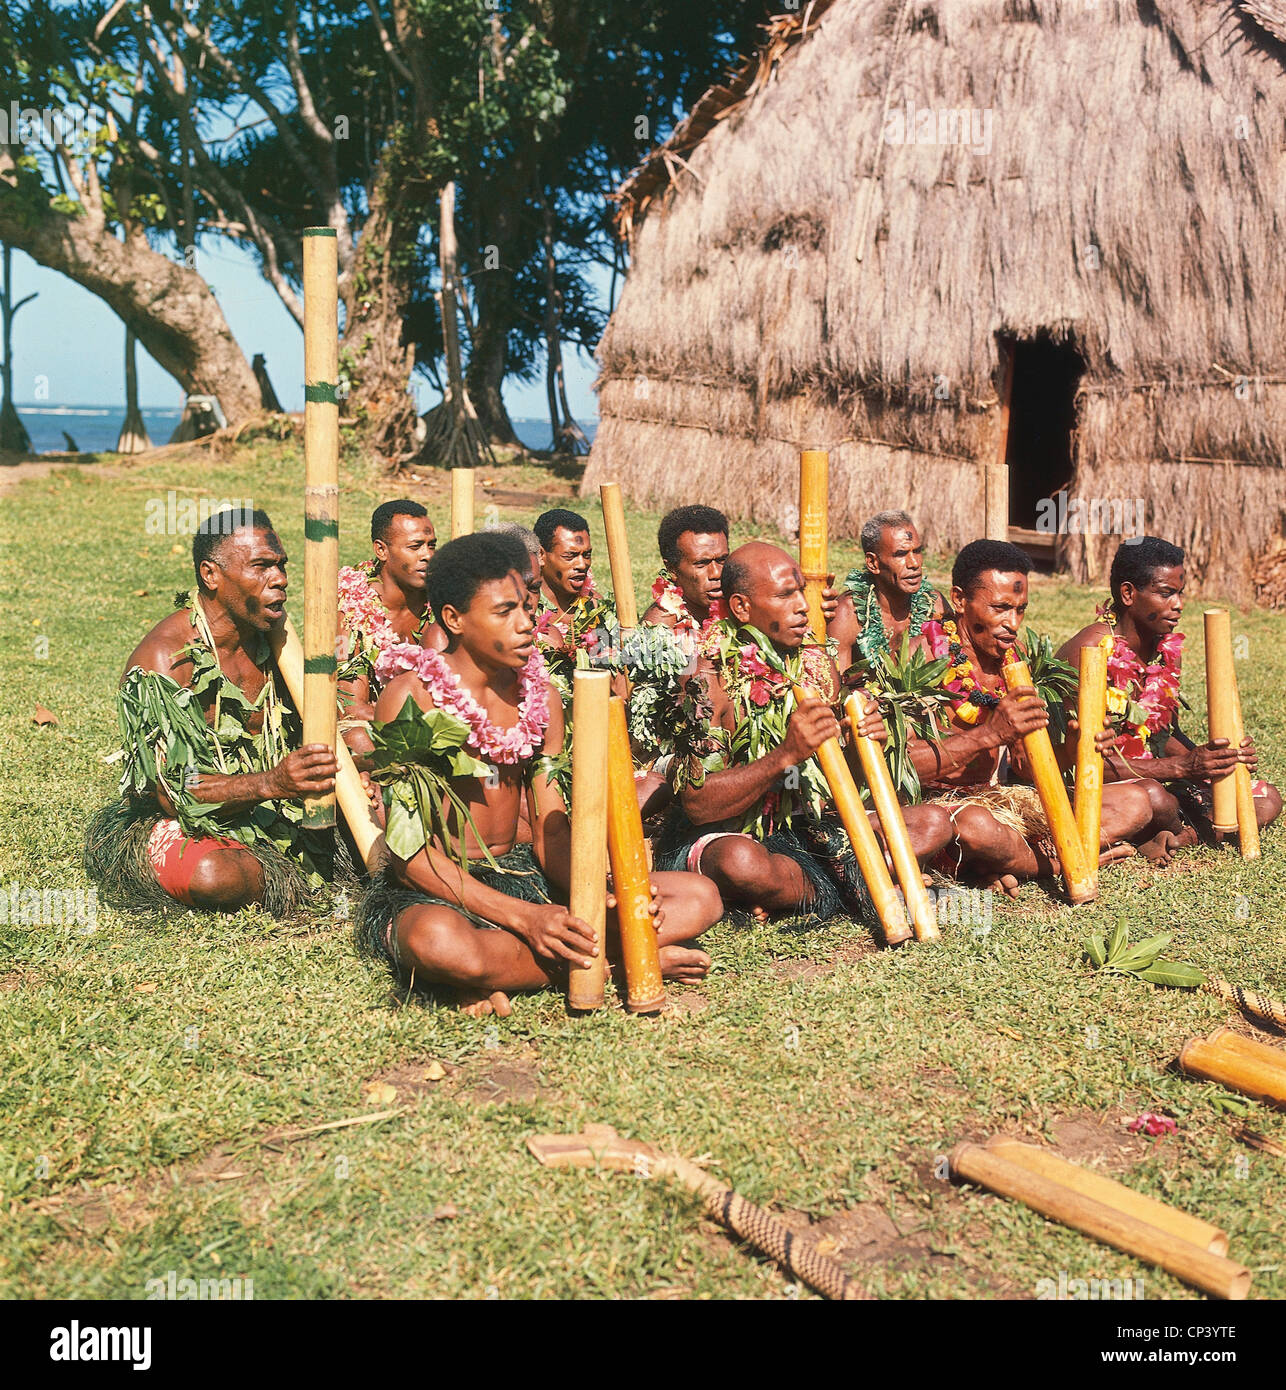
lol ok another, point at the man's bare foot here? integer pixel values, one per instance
(1113, 854)
(760, 914)
(1160, 849)
(480, 1004)
(684, 964)
(1006, 884)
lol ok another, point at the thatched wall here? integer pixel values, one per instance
(1133, 195)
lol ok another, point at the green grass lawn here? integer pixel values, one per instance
(157, 1071)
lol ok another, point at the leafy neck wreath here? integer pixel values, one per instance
(1144, 696)
(419, 753)
(668, 597)
(873, 641)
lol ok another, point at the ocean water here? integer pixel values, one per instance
(96, 428)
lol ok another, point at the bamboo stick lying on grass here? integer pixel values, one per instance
(1251, 1068)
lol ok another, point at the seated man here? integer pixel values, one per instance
(887, 599)
(213, 771)
(1144, 661)
(686, 597)
(754, 810)
(461, 906)
(381, 603)
(1001, 833)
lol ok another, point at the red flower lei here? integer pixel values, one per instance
(668, 597)
(487, 739)
(969, 699)
(1144, 697)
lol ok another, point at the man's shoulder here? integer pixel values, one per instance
(656, 616)
(160, 650)
(1089, 636)
(393, 696)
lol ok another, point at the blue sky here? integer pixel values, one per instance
(72, 338)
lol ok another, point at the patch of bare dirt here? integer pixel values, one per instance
(15, 979)
(1098, 1141)
(686, 1004)
(509, 1083)
(799, 968)
(414, 1078)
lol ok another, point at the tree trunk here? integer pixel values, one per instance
(455, 438)
(133, 436)
(171, 308)
(565, 434)
(373, 358)
(13, 433)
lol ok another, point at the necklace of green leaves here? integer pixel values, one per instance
(873, 641)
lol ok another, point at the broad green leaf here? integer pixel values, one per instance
(1120, 936)
(1095, 950)
(1174, 973)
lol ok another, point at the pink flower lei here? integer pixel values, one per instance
(487, 739)
(361, 609)
(1153, 689)
(668, 597)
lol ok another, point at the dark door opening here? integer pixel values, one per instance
(1042, 420)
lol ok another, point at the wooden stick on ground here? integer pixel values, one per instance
(1253, 1069)
(879, 779)
(1219, 688)
(1080, 880)
(591, 691)
(349, 792)
(618, 553)
(599, 1146)
(1091, 710)
(1037, 1159)
(321, 502)
(866, 848)
(1212, 1273)
(631, 880)
(814, 513)
(461, 502)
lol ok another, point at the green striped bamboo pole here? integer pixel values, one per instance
(321, 500)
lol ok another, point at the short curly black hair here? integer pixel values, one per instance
(980, 556)
(1137, 560)
(549, 522)
(382, 516)
(464, 565)
(218, 528)
(701, 521)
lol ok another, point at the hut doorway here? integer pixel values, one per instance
(1042, 422)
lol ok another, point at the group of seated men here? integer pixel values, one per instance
(454, 680)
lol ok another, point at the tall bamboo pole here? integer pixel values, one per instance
(591, 691)
(631, 880)
(1219, 682)
(321, 500)
(1080, 880)
(814, 472)
(354, 805)
(461, 502)
(1247, 821)
(884, 797)
(618, 553)
(1091, 710)
(866, 848)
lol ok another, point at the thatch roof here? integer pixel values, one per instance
(800, 281)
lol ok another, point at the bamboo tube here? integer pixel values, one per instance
(919, 905)
(1238, 1064)
(1111, 1193)
(1211, 1273)
(1091, 710)
(1219, 688)
(814, 469)
(461, 502)
(349, 792)
(1079, 879)
(630, 880)
(870, 857)
(588, 900)
(1252, 1047)
(1247, 821)
(618, 552)
(321, 501)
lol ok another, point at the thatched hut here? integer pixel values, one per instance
(844, 243)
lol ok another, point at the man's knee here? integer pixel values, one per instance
(929, 827)
(738, 862)
(701, 897)
(975, 828)
(1268, 806)
(1127, 809)
(433, 942)
(226, 879)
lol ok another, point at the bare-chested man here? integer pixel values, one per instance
(213, 770)
(754, 811)
(497, 929)
(887, 598)
(1144, 660)
(1001, 833)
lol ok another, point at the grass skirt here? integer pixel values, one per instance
(116, 859)
(1014, 805)
(821, 849)
(519, 876)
